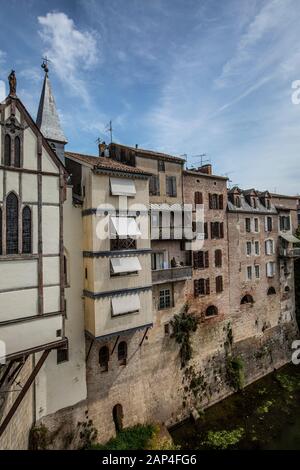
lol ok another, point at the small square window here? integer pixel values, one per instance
(62, 355)
(164, 299)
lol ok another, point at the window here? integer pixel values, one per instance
(256, 225)
(201, 287)
(257, 271)
(167, 329)
(104, 358)
(268, 224)
(271, 269)
(157, 261)
(285, 223)
(215, 201)
(26, 230)
(164, 299)
(237, 201)
(253, 203)
(269, 247)
(211, 311)
(218, 258)
(219, 284)
(7, 150)
(268, 204)
(62, 355)
(201, 259)
(248, 248)
(122, 353)
(171, 188)
(205, 230)
(160, 165)
(256, 245)
(217, 229)
(271, 291)
(249, 273)
(247, 299)
(198, 198)
(248, 224)
(17, 162)
(154, 185)
(12, 224)
(286, 289)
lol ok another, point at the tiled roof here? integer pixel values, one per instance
(105, 163)
(206, 175)
(151, 153)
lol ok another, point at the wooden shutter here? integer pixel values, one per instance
(196, 288)
(207, 287)
(212, 230)
(222, 230)
(206, 262)
(221, 201)
(198, 198)
(210, 200)
(205, 230)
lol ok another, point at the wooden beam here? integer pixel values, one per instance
(115, 345)
(144, 337)
(23, 392)
(5, 374)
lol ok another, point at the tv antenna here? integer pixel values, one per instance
(110, 130)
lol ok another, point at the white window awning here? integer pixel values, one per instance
(128, 264)
(290, 238)
(122, 187)
(125, 304)
(124, 226)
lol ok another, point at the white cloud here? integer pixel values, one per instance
(69, 49)
(2, 90)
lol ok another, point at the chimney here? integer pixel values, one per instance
(207, 169)
(102, 148)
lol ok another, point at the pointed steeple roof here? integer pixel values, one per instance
(47, 118)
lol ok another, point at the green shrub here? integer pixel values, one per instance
(136, 437)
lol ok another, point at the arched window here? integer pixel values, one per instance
(211, 311)
(7, 150)
(247, 299)
(104, 358)
(17, 152)
(271, 291)
(122, 352)
(26, 230)
(12, 224)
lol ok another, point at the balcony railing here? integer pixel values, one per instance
(289, 252)
(180, 273)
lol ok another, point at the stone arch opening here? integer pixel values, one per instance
(118, 417)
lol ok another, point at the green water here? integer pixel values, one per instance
(265, 415)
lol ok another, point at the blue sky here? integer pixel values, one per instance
(179, 76)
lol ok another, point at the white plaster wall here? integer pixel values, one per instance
(17, 274)
(51, 299)
(50, 229)
(30, 150)
(12, 181)
(17, 304)
(29, 188)
(30, 334)
(62, 385)
(51, 270)
(50, 189)
(47, 163)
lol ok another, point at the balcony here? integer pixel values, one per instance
(180, 273)
(289, 252)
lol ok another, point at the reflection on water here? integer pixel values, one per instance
(265, 415)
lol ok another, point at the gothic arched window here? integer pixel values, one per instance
(7, 150)
(122, 352)
(26, 230)
(104, 358)
(17, 152)
(12, 224)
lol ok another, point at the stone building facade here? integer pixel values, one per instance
(121, 267)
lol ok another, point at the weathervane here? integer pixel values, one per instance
(45, 64)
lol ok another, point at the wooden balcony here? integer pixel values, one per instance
(180, 273)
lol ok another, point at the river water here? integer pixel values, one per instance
(265, 415)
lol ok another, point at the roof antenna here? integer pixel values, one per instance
(110, 130)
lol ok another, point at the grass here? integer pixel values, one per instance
(136, 437)
(223, 439)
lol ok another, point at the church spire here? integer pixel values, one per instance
(47, 118)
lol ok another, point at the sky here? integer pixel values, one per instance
(185, 77)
